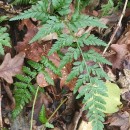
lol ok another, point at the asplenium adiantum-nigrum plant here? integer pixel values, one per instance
(55, 16)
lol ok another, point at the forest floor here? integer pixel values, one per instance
(65, 111)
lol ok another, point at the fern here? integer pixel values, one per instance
(61, 6)
(24, 88)
(107, 7)
(52, 25)
(86, 64)
(43, 118)
(38, 11)
(4, 39)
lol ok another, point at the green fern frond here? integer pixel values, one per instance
(107, 7)
(3, 18)
(52, 25)
(48, 78)
(22, 96)
(92, 40)
(38, 11)
(28, 71)
(96, 57)
(4, 39)
(49, 64)
(63, 41)
(89, 85)
(23, 78)
(72, 53)
(35, 65)
(24, 88)
(82, 21)
(42, 115)
(61, 6)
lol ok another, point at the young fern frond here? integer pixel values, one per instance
(4, 39)
(24, 88)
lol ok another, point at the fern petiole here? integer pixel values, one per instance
(31, 121)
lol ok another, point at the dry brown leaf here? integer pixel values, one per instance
(121, 120)
(41, 80)
(11, 66)
(117, 58)
(35, 50)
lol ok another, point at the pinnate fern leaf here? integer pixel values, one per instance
(61, 6)
(24, 88)
(49, 64)
(73, 53)
(63, 41)
(81, 21)
(38, 11)
(52, 25)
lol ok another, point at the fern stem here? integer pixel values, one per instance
(31, 122)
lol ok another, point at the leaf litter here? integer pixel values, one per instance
(64, 117)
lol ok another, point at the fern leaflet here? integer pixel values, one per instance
(4, 39)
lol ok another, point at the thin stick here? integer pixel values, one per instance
(118, 26)
(57, 108)
(55, 111)
(31, 122)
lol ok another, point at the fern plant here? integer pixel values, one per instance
(55, 16)
(25, 88)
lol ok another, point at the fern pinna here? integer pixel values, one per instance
(25, 88)
(4, 39)
(55, 17)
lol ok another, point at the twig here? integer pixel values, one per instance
(31, 122)
(62, 102)
(79, 116)
(1, 124)
(57, 108)
(118, 26)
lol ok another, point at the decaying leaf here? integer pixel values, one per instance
(85, 125)
(11, 66)
(35, 50)
(121, 120)
(113, 99)
(122, 49)
(41, 80)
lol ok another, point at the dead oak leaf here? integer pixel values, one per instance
(121, 51)
(11, 66)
